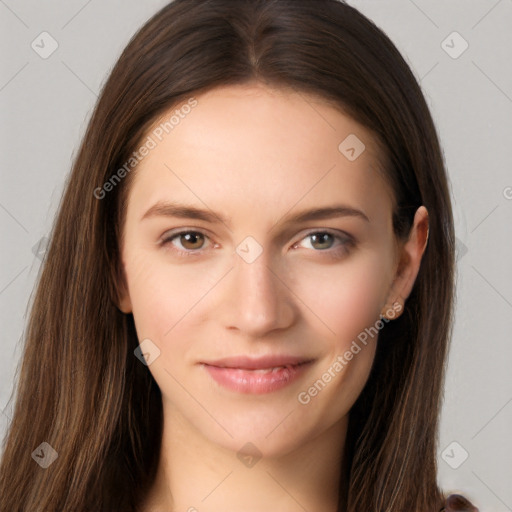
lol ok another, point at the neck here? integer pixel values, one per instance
(197, 475)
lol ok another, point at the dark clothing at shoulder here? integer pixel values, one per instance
(457, 503)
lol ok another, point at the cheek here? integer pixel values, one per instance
(349, 304)
(346, 297)
(154, 299)
(164, 296)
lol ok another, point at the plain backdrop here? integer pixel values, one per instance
(460, 51)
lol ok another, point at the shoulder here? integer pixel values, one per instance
(458, 503)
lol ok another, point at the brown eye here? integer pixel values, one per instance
(189, 241)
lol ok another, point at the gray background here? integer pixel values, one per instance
(46, 103)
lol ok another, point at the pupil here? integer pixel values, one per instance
(192, 236)
(320, 237)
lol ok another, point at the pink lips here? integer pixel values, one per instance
(257, 376)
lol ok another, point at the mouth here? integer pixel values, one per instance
(267, 362)
(257, 376)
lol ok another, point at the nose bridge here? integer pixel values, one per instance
(259, 300)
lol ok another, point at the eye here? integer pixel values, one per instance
(324, 241)
(189, 242)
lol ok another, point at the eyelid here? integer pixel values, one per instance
(178, 231)
(346, 241)
(168, 236)
(334, 232)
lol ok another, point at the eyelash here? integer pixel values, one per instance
(347, 243)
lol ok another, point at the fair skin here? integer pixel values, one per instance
(256, 155)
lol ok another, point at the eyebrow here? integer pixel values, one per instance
(184, 211)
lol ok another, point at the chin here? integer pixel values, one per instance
(268, 433)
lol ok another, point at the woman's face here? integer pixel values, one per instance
(262, 281)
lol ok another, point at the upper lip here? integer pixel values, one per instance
(250, 363)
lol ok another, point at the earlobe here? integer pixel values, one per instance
(123, 301)
(393, 311)
(411, 254)
(125, 305)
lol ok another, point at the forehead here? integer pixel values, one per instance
(251, 146)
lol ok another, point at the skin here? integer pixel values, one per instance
(256, 155)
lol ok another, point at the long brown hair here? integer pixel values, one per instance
(82, 390)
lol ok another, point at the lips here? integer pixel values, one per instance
(268, 362)
(266, 374)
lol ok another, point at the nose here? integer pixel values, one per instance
(257, 297)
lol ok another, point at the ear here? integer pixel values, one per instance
(123, 302)
(410, 254)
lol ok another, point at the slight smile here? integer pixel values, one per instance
(257, 376)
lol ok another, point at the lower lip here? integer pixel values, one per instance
(249, 381)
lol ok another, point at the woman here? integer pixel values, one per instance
(255, 370)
